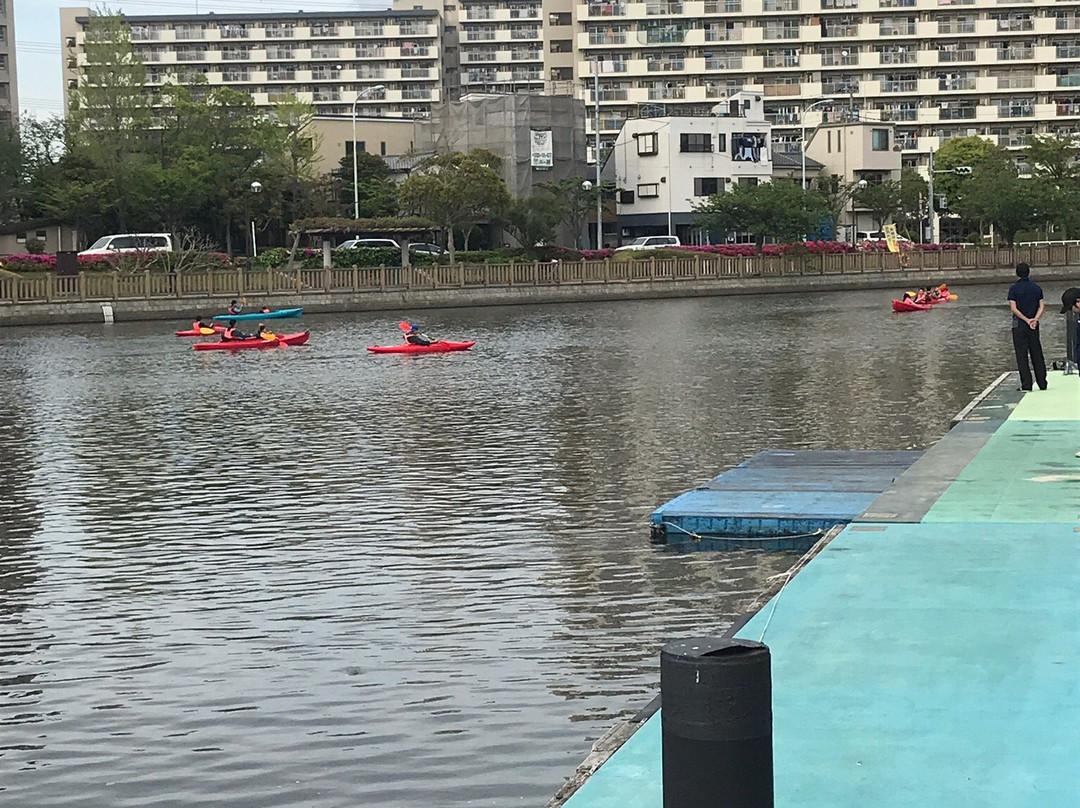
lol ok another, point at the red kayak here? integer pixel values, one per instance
(241, 344)
(908, 305)
(442, 346)
(217, 329)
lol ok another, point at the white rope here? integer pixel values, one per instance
(798, 565)
(699, 537)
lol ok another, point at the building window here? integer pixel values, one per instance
(20, 238)
(721, 142)
(649, 191)
(648, 143)
(695, 142)
(748, 182)
(879, 139)
(626, 197)
(706, 186)
(382, 148)
(360, 146)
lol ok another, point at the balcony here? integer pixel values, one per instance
(370, 53)
(614, 94)
(325, 53)
(275, 32)
(957, 84)
(956, 113)
(664, 9)
(838, 88)
(898, 29)
(906, 57)
(415, 72)
(723, 6)
(1069, 80)
(324, 30)
(781, 90)
(774, 60)
(415, 30)
(780, 5)
(487, 13)
(774, 33)
(325, 75)
(896, 3)
(191, 55)
(733, 62)
(1067, 108)
(607, 9)
(837, 5)
(899, 114)
(236, 75)
(524, 33)
(1068, 52)
(666, 93)
(908, 143)
(1015, 54)
(657, 65)
(475, 35)
(368, 30)
(530, 13)
(1014, 25)
(1067, 23)
(607, 37)
(416, 93)
(723, 34)
(954, 56)
(839, 60)
(840, 31)
(1025, 110)
(326, 95)
(956, 27)
(1016, 81)
(900, 86)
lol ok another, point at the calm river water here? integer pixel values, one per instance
(325, 578)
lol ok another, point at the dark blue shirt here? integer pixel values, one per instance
(1027, 295)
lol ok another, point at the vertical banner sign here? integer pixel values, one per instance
(890, 238)
(541, 149)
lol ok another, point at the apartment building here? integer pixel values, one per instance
(665, 166)
(936, 69)
(9, 85)
(388, 62)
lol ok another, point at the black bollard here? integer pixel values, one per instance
(716, 723)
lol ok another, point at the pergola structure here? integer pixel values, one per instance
(403, 230)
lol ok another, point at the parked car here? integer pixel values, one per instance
(650, 243)
(130, 243)
(352, 243)
(426, 249)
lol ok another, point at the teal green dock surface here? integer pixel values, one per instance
(930, 654)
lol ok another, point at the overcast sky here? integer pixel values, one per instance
(37, 36)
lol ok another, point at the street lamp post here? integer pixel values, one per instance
(596, 149)
(355, 169)
(256, 187)
(802, 125)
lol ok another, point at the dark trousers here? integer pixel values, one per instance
(1026, 342)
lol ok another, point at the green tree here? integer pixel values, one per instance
(111, 115)
(972, 152)
(882, 199)
(532, 221)
(577, 203)
(996, 195)
(1053, 161)
(376, 191)
(834, 197)
(456, 190)
(780, 209)
(913, 190)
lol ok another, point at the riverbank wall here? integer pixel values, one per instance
(84, 298)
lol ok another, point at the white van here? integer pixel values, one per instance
(130, 243)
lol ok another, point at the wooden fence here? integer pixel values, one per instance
(108, 286)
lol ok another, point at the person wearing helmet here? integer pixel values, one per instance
(414, 337)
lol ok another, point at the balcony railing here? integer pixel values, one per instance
(1015, 54)
(607, 37)
(607, 9)
(956, 113)
(479, 36)
(839, 60)
(953, 56)
(327, 95)
(956, 27)
(524, 33)
(901, 86)
(907, 57)
(1015, 110)
(279, 33)
(144, 34)
(615, 94)
(899, 114)
(668, 64)
(370, 53)
(324, 30)
(663, 9)
(1016, 25)
(669, 34)
(723, 34)
(1069, 80)
(840, 31)
(666, 93)
(780, 33)
(959, 83)
(190, 33)
(1067, 23)
(415, 93)
(530, 13)
(897, 29)
(415, 72)
(733, 62)
(1016, 81)
(723, 6)
(1068, 108)
(780, 61)
(1068, 52)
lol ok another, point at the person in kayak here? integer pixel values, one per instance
(262, 333)
(234, 307)
(264, 310)
(414, 337)
(199, 325)
(233, 333)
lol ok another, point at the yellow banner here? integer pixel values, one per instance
(890, 238)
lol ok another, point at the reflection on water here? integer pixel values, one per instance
(314, 576)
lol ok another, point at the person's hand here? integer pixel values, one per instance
(1033, 323)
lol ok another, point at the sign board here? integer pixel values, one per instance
(540, 149)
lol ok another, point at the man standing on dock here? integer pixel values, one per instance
(1027, 305)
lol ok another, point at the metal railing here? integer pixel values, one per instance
(116, 286)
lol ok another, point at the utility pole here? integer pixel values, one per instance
(596, 148)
